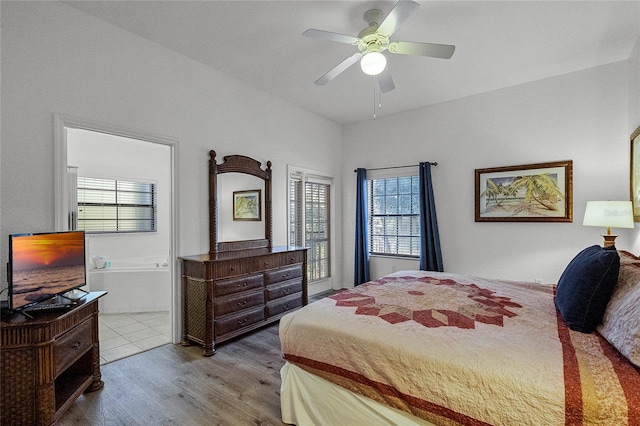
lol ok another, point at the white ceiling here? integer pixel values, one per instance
(498, 44)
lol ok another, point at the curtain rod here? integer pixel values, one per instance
(435, 163)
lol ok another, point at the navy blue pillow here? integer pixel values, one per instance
(585, 287)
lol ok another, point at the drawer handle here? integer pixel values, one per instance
(285, 290)
(286, 307)
(242, 285)
(286, 275)
(242, 321)
(244, 302)
(76, 346)
(266, 263)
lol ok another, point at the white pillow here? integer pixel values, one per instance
(621, 321)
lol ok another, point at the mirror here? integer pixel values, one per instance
(239, 204)
(236, 222)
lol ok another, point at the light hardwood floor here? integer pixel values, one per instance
(175, 385)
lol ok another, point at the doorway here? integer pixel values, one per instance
(136, 267)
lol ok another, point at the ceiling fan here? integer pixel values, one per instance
(374, 40)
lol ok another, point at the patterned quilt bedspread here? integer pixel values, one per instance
(459, 350)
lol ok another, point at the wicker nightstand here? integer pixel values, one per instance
(48, 361)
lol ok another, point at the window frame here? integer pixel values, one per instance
(412, 251)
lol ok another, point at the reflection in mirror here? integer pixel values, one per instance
(228, 228)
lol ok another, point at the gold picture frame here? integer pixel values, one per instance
(541, 192)
(635, 174)
(247, 205)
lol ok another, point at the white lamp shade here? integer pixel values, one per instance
(614, 214)
(373, 63)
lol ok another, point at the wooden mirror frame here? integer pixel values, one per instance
(246, 165)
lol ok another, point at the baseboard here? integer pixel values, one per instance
(319, 287)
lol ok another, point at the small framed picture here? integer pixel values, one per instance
(247, 205)
(529, 193)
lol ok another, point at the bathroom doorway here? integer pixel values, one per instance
(130, 248)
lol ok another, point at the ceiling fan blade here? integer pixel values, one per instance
(400, 12)
(385, 81)
(338, 69)
(443, 51)
(327, 35)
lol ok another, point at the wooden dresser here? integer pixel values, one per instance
(48, 361)
(229, 293)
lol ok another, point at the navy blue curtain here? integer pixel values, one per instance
(430, 254)
(361, 274)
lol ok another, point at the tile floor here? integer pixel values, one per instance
(123, 335)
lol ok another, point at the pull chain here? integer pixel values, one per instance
(374, 97)
(375, 85)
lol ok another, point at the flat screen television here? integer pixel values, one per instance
(44, 265)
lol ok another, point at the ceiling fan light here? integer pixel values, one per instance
(373, 63)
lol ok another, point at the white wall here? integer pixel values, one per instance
(56, 59)
(581, 116)
(634, 86)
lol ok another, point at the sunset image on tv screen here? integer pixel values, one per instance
(44, 265)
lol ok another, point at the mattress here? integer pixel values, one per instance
(307, 399)
(460, 350)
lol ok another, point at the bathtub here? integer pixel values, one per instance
(133, 285)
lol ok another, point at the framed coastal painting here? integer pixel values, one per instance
(247, 205)
(539, 192)
(635, 174)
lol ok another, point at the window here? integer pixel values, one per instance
(309, 222)
(109, 205)
(316, 202)
(295, 211)
(394, 216)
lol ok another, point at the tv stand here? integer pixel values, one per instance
(48, 361)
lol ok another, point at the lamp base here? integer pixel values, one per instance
(609, 240)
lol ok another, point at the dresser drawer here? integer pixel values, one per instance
(235, 322)
(287, 288)
(235, 303)
(292, 257)
(283, 305)
(262, 263)
(283, 274)
(72, 345)
(235, 285)
(230, 268)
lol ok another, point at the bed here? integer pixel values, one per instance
(420, 347)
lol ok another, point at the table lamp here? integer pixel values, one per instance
(609, 214)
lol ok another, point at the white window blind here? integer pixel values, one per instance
(310, 222)
(295, 210)
(317, 226)
(394, 216)
(110, 205)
